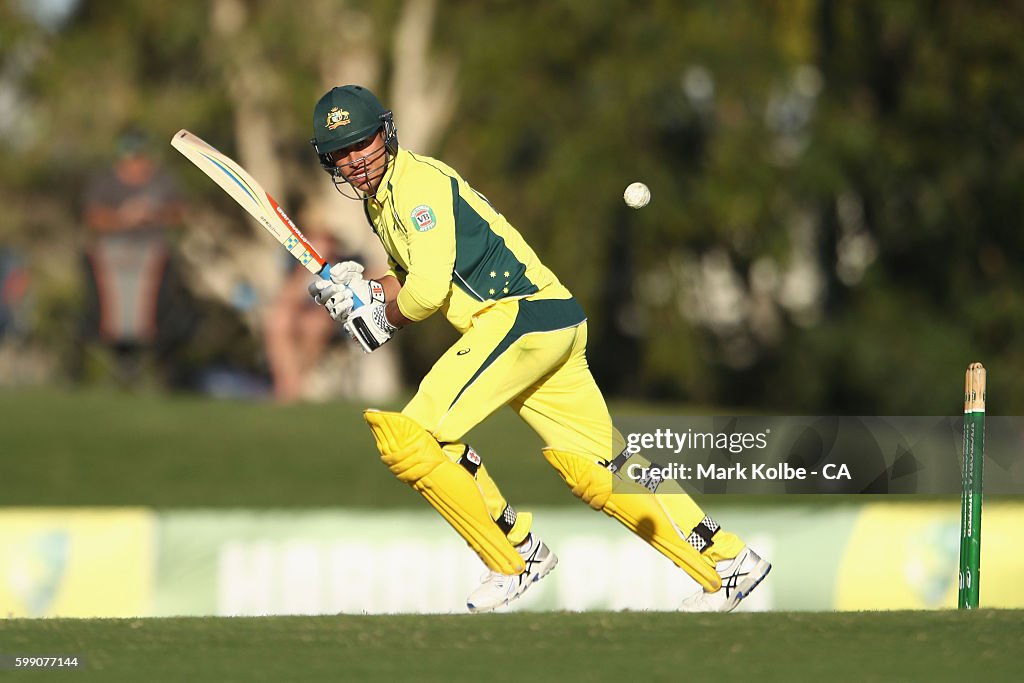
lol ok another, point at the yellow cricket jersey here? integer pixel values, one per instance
(448, 246)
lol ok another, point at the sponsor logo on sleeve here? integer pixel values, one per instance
(423, 218)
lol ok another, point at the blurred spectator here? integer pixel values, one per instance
(134, 306)
(14, 281)
(296, 333)
(23, 361)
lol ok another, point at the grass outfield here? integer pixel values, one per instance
(104, 448)
(617, 647)
(85, 448)
(80, 448)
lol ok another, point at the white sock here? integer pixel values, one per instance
(527, 544)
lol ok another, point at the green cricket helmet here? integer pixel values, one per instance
(346, 116)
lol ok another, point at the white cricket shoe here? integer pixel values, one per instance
(740, 576)
(496, 590)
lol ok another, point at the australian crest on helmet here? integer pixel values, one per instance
(337, 117)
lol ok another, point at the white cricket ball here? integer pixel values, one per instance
(637, 195)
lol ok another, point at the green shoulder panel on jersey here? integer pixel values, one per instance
(485, 268)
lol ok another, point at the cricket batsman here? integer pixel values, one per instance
(523, 344)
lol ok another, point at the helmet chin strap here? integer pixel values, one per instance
(343, 184)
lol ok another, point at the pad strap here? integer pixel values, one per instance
(641, 512)
(702, 536)
(515, 526)
(415, 457)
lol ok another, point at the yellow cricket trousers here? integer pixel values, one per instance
(530, 355)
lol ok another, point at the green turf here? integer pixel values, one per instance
(617, 647)
(104, 448)
(115, 448)
(75, 448)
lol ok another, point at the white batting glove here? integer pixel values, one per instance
(345, 272)
(369, 326)
(347, 289)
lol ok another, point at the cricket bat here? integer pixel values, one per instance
(244, 189)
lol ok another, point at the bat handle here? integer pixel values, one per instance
(325, 273)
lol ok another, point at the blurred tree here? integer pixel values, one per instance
(836, 184)
(915, 166)
(245, 74)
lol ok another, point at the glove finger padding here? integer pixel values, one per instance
(348, 290)
(339, 306)
(345, 272)
(323, 290)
